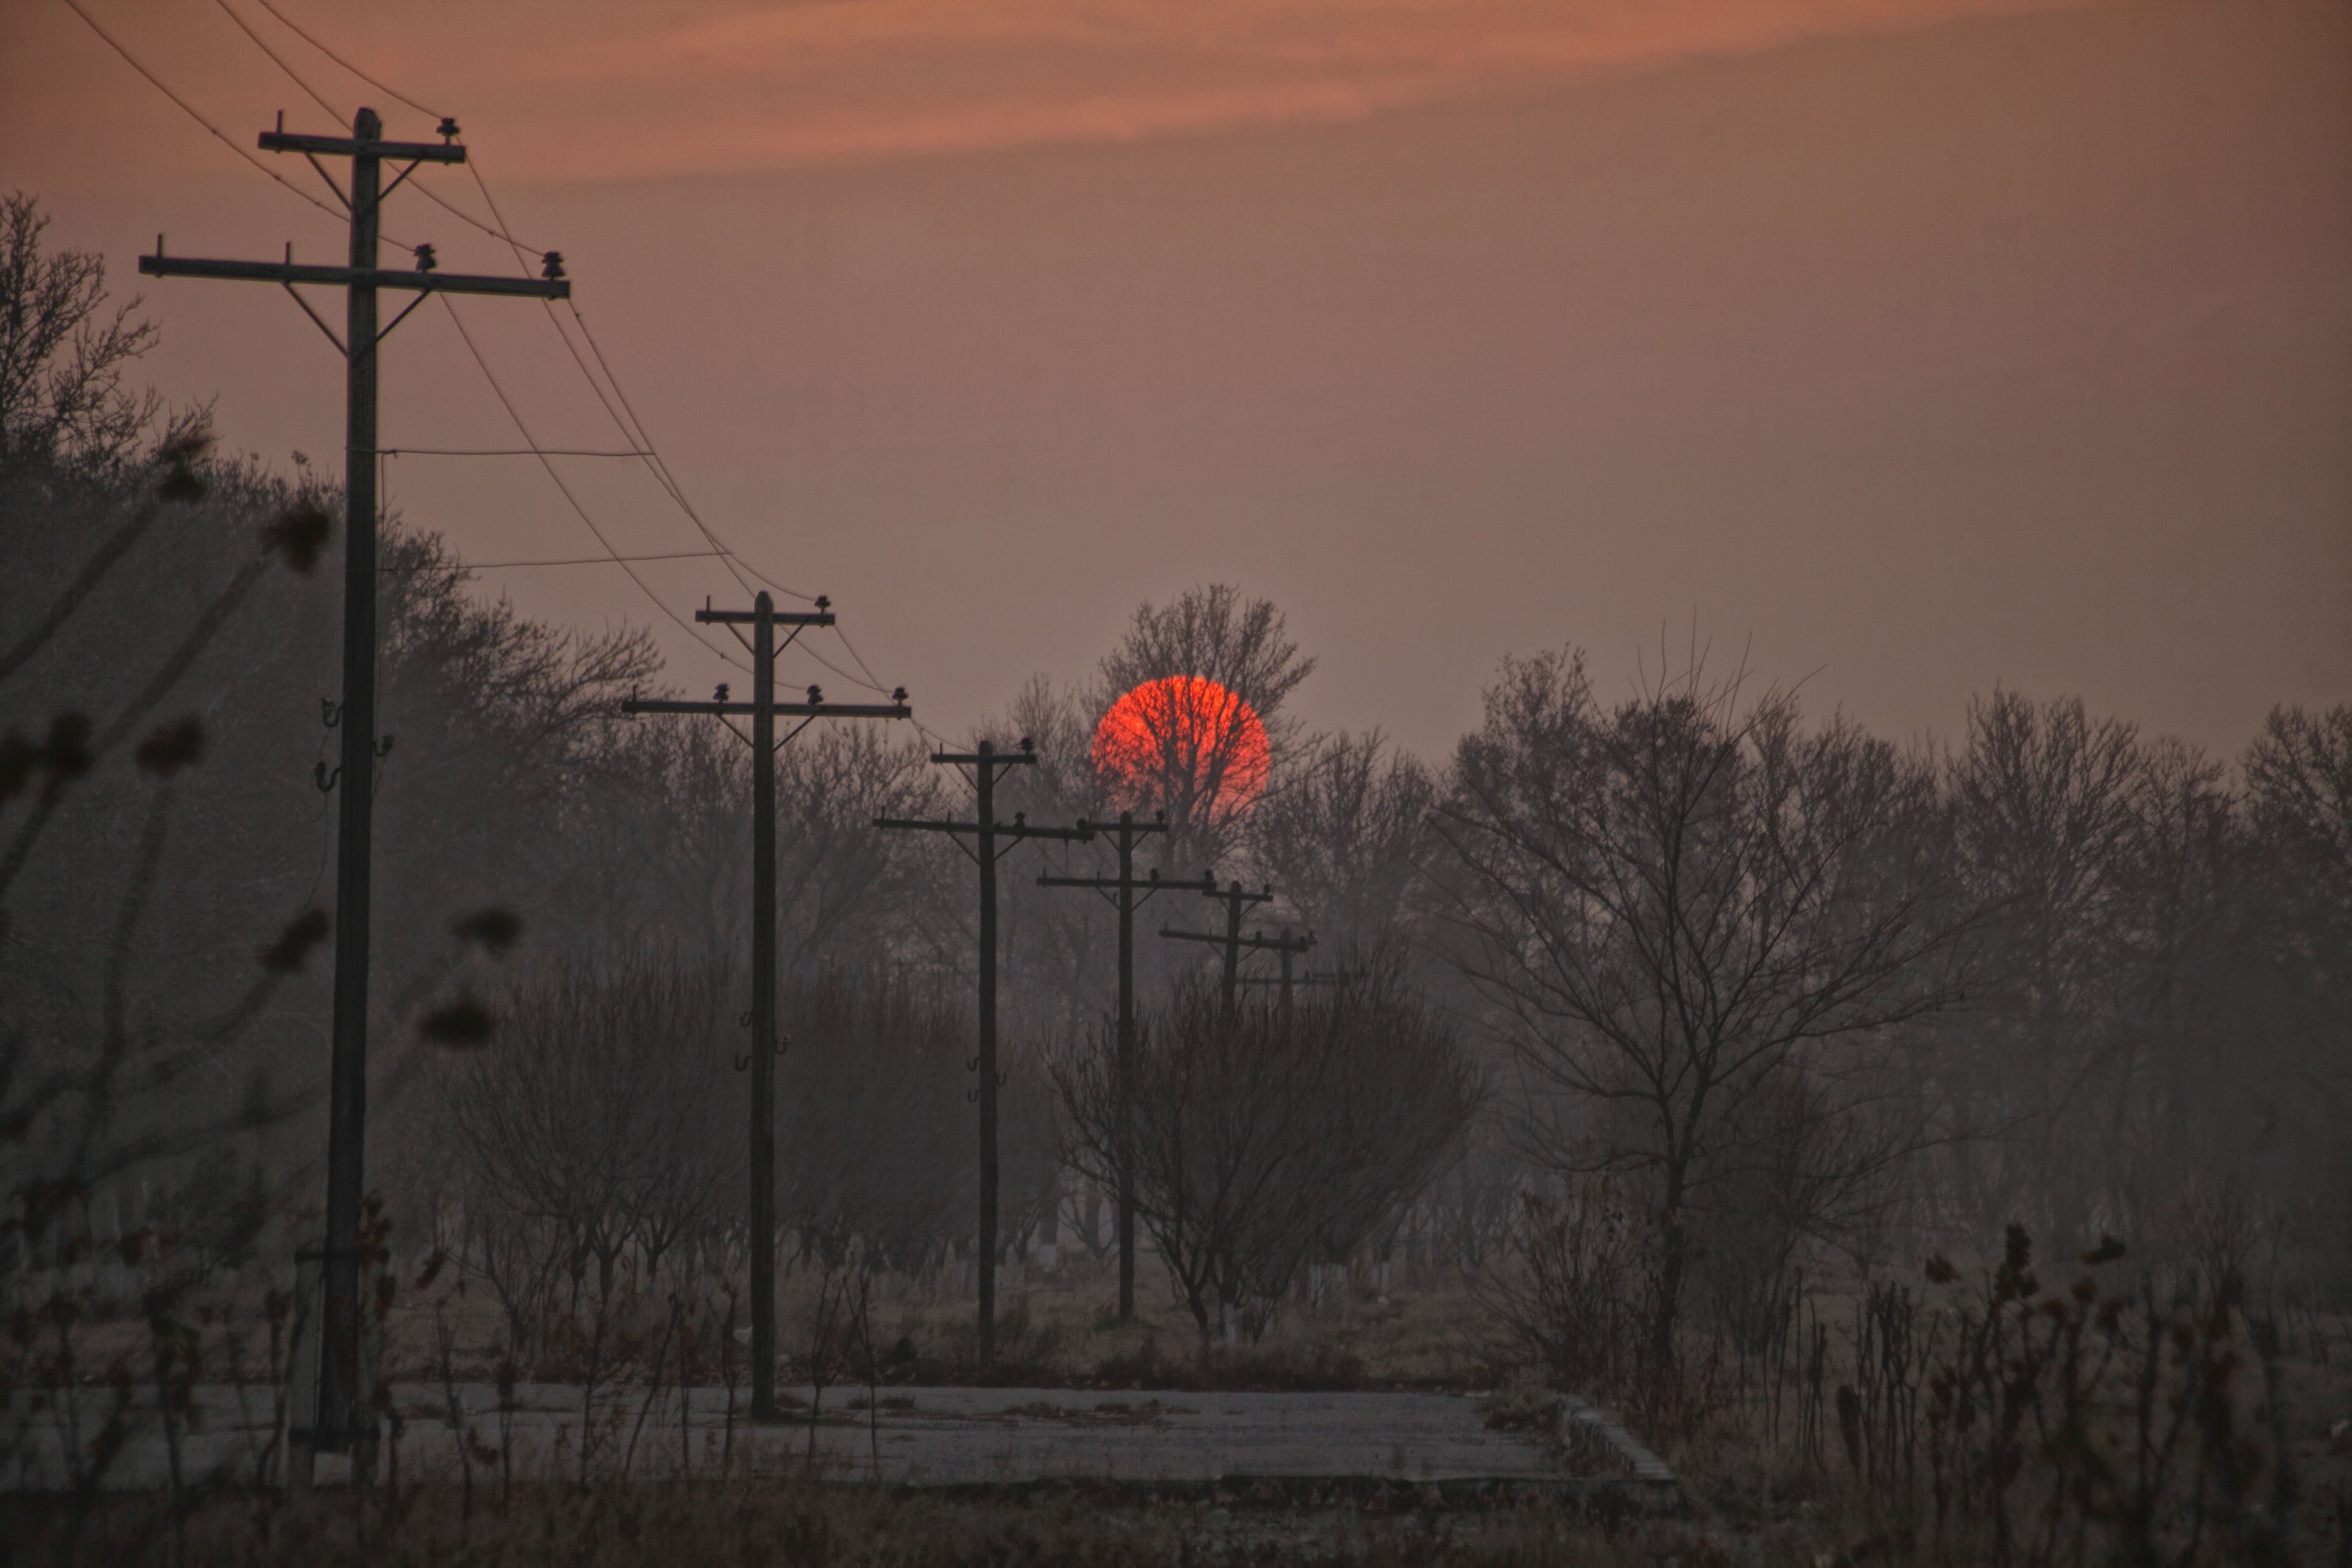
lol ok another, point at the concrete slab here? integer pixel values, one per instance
(923, 1436)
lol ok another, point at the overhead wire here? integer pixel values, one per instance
(568, 560)
(259, 43)
(625, 419)
(502, 452)
(192, 112)
(336, 111)
(291, 27)
(631, 427)
(532, 447)
(634, 429)
(581, 511)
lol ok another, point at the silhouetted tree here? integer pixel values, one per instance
(1674, 905)
(1264, 1136)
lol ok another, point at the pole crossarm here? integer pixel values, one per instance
(634, 705)
(1212, 938)
(1286, 942)
(1312, 977)
(293, 272)
(1015, 829)
(1147, 885)
(712, 618)
(351, 147)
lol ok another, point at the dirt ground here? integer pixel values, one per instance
(1749, 1499)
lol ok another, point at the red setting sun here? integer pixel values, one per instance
(1163, 729)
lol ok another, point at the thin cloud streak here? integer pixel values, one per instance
(632, 88)
(858, 80)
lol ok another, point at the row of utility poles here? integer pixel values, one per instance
(333, 1407)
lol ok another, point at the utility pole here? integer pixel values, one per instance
(340, 1417)
(1234, 898)
(1123, 889)
(1289, 947)
(985, 763)
(763, 710)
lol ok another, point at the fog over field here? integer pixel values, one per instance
(1642, 714)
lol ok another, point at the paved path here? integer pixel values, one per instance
(919, 1436)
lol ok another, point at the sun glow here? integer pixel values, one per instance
(1187, 737)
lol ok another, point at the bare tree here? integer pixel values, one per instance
(1195, 755)
(2299, 788)
(62, 354)
(1263, 1135)
(1344, 832)
(1675, 904)
(596, 1108)
(871, 1147)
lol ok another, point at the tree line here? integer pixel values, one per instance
(1748, 982)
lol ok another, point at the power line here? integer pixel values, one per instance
(299, 79)
(246, 29)
(631, 427)
(347, 65)
(542, 454)
(189, 111)
(581, 511)
(185, 107)
(569, 560)
(502, 452)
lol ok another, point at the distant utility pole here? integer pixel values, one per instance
(763, 708)
(1289, 947)
(340, 1419)
(1125, 897)
(1234, 898)
(985, 763)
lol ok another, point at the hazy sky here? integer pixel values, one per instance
(1913, 347)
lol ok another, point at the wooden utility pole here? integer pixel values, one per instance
(985, 763)
(763, 710)
(1312, 978)
(1123, 890)
(1289, 947)
(340, 1417)
(1234, 898)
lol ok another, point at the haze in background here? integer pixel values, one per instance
(1914, 349)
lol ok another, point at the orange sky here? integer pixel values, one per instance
(627, 87)
(1916, 347)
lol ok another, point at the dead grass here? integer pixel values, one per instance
(1751, 1500)
(790, 1525)
(1060, 1328)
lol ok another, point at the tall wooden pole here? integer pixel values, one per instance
(762, 710)
(341, 1407)
(763, 1007)
(339, 1415)
(986, 774)
(1128, 897)
(984, 761)
(1126, 1066)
